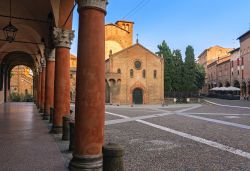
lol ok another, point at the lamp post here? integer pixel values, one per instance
(10, 30)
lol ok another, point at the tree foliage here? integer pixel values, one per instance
(189, 70)
(199, 76)
(177, 71)
(181, 76)
(165, 52)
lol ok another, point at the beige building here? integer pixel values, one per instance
(73, 64)
(134, 75)
(21, 81)
(207, 57)
(228, 67)
(218, 73)
(118, 36)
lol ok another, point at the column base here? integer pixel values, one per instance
(41, 110)
(45, 116)
(86, 163)
(56, 129)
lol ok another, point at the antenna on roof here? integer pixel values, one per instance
(137, 39)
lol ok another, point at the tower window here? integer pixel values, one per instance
(119, 71)
(144, 73)
(131, 73)
(155, 74)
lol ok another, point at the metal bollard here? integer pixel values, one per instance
(66, 133)
(113, 157)
(51, 115)
(72, 135)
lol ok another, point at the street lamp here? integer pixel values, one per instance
(10, 30)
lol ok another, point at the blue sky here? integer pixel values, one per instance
(200, 23)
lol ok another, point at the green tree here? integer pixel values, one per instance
(165, 52)
(177, 71)
(199, 76)
(189, 70)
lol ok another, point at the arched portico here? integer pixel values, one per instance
(220, 84)
(11, 60)
(43, 43)
(227, 84)
(236, 84)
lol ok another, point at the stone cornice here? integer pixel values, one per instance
(101, 4)
(50, 54)
(62, 37)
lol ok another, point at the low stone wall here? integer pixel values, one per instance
(182, 100)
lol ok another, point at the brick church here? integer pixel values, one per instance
(134, 74)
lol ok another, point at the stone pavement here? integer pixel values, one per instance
(193, 137)
(25, 144)
(189, 137)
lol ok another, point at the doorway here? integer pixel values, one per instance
(138, 96)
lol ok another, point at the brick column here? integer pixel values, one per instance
(42, 95)
(49, 87)
(62, 41)
(39, 87)
(36, 78)
(90, 87)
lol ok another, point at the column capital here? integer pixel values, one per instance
(101, 4)
(40, 69)
(50, 54)
(63, 37)
(43, 62)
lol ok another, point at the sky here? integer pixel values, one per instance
(200, 23)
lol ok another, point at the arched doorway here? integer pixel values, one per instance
(227, 84)
(236, 84)
(138, 96)
(18, 69)
(220, 84)
(21, 84)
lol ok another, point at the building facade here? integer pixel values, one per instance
(209, 56)
(228, 67)
(118, 36)
(134, 76)
(244, 63)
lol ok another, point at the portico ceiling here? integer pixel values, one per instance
(33, 30)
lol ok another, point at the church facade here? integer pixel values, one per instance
(134, 74)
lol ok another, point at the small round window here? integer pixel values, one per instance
(137, 64)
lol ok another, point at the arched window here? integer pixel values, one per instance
(119, 71)
(144, 73)
(131, 73)
(155, 74)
